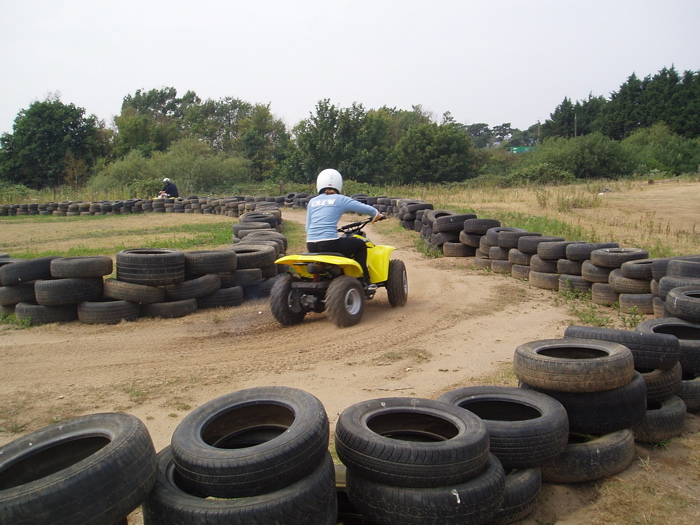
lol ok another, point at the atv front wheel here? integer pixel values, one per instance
(345, 301)
(397, 283)
(285, 302)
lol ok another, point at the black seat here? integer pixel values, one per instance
(326, 253)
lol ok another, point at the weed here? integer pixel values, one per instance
(633, 319)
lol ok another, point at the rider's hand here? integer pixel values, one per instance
(377, 217)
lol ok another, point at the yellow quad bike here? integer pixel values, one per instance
(332, 282)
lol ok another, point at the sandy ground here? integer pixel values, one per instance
(460, 327)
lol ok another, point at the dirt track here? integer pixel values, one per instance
(460, 327)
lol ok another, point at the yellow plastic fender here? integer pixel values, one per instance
(377, 263)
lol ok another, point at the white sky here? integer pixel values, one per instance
(484, 61)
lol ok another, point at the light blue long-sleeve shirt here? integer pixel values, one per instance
(324, 211)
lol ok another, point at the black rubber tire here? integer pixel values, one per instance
(649, 350)
(684, 303)
(537, 264)
(573, 283)
(479, 226)
(582, 251)
(409, 442)
(471, 502)
(92, 266)
(11, 295)
(496, 253)
(520, 496)
(661, 384)
(345, 301)
(26, 270)
(529, 243)
(595, 274)
(251, 442)
(604, 411)
(451, 223)
(638, 269)
(688, 335)
(224, 298)
(457, 249)
(621, 284)
(309, 501)
(151, 267)
(250, 226)
(689, 392)
(209, 261)
(517, 257)
(668, 283)
(553, 250)
(253, 256)
(397, 283)
(568, 267)
(241, 277)
(108, 311)
(521, 272)
(170, 309)
(494, 234)
(615, 257)
(504, 267)
(509, 238)
(526, 428)
(472, 240)
(193, 288)
(663, 420)
(544, 280)
(72, 290)
(684, 268)
(285, 302)
(270, 235)
(136, 293)
(602, 294)
(639, 303)
(38, 314)
(573, 365)
(92, 470)
(590, 458)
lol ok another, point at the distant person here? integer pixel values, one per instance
(169, 190)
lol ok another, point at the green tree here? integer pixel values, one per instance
(51, 143)
(432, 153)
(658, 148)
(481, 134)
(151, 120)
(263, 141)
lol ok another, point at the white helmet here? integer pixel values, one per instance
(329, 178)
(166, 180)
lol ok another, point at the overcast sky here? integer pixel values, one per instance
(484, 61)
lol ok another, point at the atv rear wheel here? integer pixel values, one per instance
(397, 283)
(285, 302)
(345, 301)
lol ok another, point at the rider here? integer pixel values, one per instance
(322, 216)
(169, 189)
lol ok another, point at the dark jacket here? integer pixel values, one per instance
(171, 189)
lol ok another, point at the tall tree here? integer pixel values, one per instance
(431, 153)
(51, 143)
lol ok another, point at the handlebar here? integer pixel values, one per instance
(357, 226)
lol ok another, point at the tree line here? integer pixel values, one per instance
(215, 145)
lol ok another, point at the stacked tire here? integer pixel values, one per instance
(656, 359)
(688, 335)
(414, 461)
(92, 470)
(603, 396)
(473, 234)
(255, 456)
(631, 289)
(526, 430)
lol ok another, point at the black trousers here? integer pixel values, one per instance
(348, 246)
